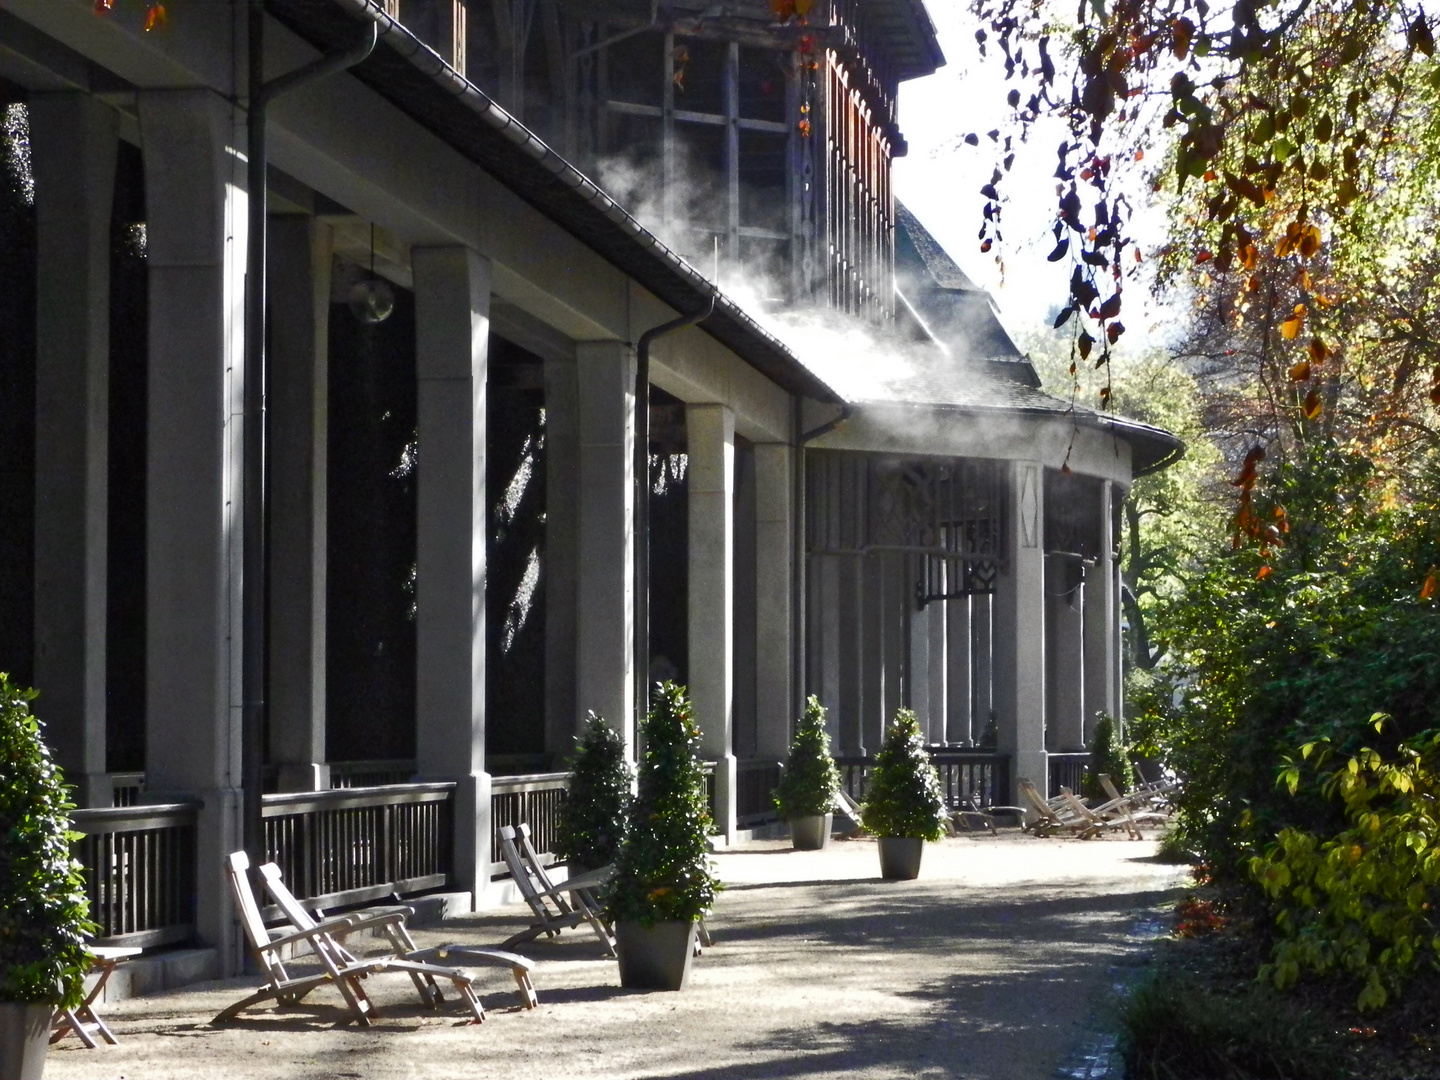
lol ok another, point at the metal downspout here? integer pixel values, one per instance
(642, 503)
(255, 594)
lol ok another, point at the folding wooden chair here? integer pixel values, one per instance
(1048, 820)
(419, 964)
(83, 1020)
(338, 966)
(547, 900)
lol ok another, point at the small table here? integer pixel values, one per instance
(83, 1020)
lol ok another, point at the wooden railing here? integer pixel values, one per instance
(1066, 770)
(352, 845)
(981, 776)
(139, 866)
(535, 800)
(755, 781)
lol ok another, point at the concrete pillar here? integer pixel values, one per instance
(605, 663)
(774, 568)
(895, 608)
(982, 663)
(710, 430)
(959, 648)
(563, 714)
(1019, 628)
(1064, 637)
(938, 669)
(73, 141)
(850, 644)
(872, 651)
(452, 319)
(1102, 622)
(196, 236)
(744, 660)
(917, 661)
(297, 433)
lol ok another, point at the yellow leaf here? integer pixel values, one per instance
(1290, 328)
(1311, 407)
(1300, 372)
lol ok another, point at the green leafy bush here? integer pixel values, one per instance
(1360, 901)
(810, 780)
(663, 872)
(42, 894)
(1172, 1029)
(592, 819)
(1107, 755)
(903, 797)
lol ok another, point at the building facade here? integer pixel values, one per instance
(452, 580)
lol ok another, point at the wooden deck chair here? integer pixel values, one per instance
(1049, 821)
(547, 900)
(281, 987)
(1142, 801)
(1105, 816)
(419, 964)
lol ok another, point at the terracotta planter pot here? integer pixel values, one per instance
(24, 1039)
(811, 832)
(655, 957)
(900, 857)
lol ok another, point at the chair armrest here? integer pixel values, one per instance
(319, 930)
(360, 921)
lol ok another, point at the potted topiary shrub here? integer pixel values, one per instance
(663, 880)
(592, 818)
(1107, 755)
(42, 894)
(807, 788)
(903, 805)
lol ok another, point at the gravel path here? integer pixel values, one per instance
(992, 966)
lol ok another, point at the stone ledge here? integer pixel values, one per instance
(158, 972)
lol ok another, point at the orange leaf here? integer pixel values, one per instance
(985, 247)
(1311, 407)
(1309, 242)
(1139, 155)
(1262, 573)
(154, 16)
(102, 7)
(1184, 30)
(1300, 372)
(1246, 479)
(1318, 351)
(1290, 328)
(1210, 175)
(1427, 590)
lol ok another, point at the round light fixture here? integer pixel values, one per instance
(371, 300)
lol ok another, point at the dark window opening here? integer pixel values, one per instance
(669, 540)
(370, 590)
(129, 416)
(700, 75)
(635, 69)
(765, 75)
(515, 556)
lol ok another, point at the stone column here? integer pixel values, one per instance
(774, 567)
(959, 647)
(563, 714)
(938, 670)
(710, 430)
(873, 673)
(196, 236)
(300, 252)
(1064, 635)
(605, 662)
(452, 319)
(1102, 623)
(73, 141)
(1019, 628)
(850, 645)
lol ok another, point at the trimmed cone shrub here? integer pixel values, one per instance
(663, 873)
(810, 781)
(903, 797)
(42, 894)
(592, 820)
(1107, 755)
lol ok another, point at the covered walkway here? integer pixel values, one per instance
(994, 965)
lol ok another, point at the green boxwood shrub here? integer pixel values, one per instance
(903, 796)
(1107, 755)
(43, 910)
(663, 873)
(592, 820)
(810, 780)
